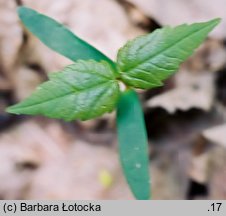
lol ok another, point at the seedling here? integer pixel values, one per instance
(89, 87)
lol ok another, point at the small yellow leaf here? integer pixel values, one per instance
(105, 178)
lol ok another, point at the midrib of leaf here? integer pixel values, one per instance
(64, 95)
(136, 78)
(165, 49)
(111, 76)
(95, 102)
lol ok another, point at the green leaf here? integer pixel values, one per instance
(58, 37)
(133, 146)
(83, 90)
(148, 60)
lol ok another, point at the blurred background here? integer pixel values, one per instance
(43, 158)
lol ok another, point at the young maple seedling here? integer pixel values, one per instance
(89, 87)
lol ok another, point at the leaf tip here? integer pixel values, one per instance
(216, 21)
(14, 109)
(21, 9)
(11, 110)
(24, 11)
